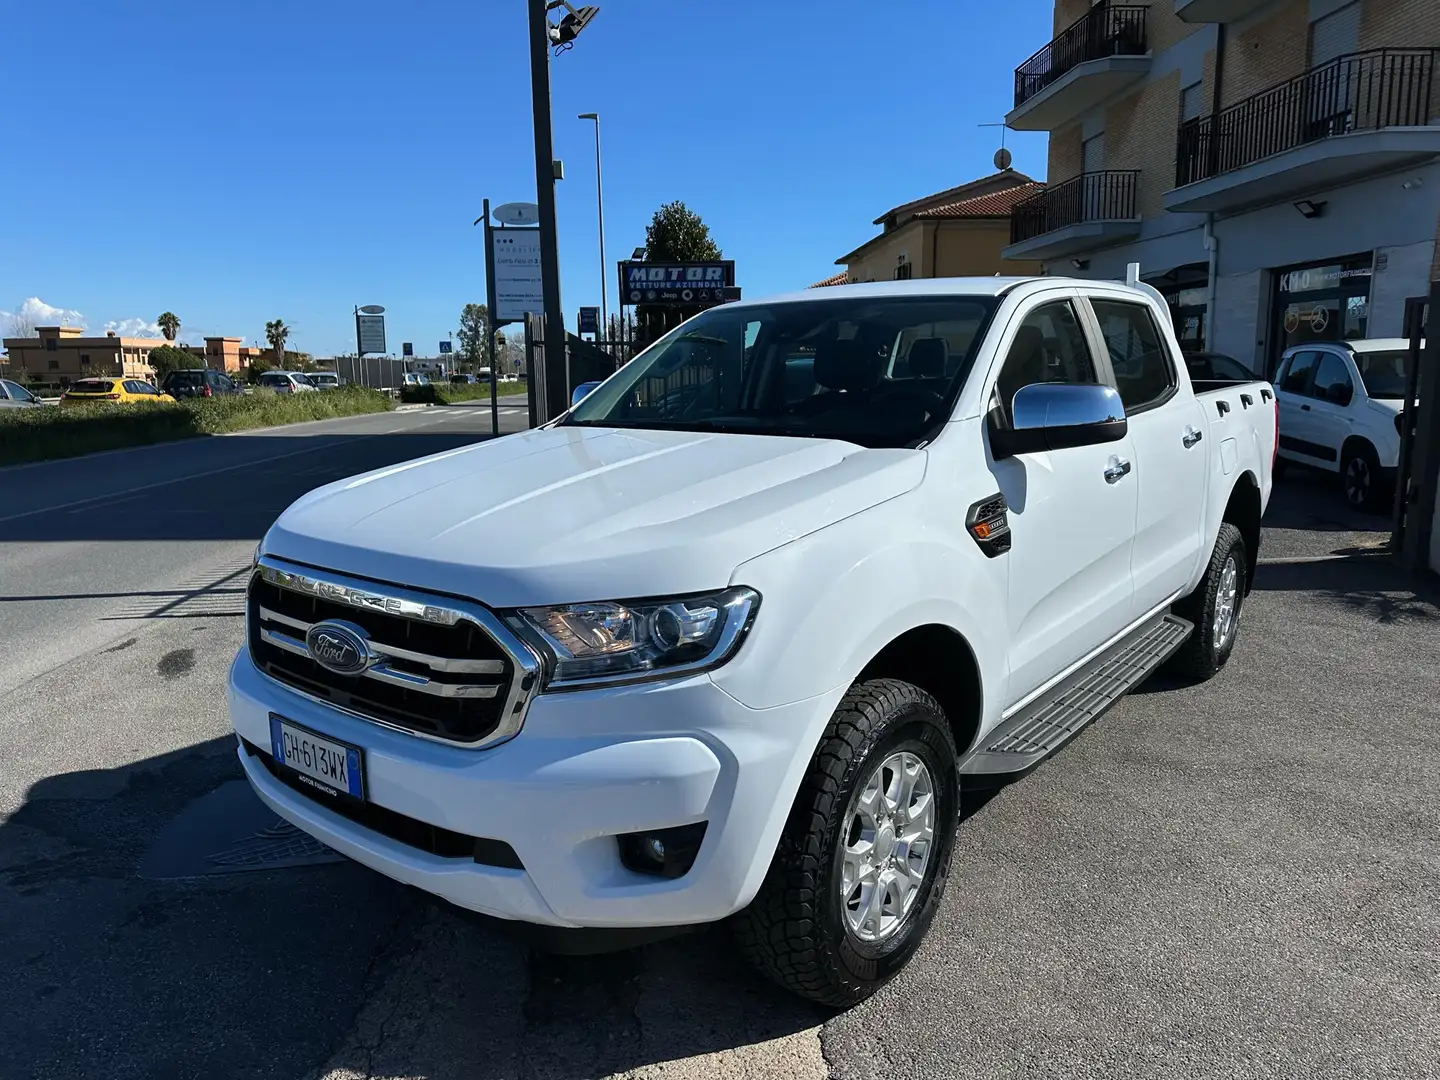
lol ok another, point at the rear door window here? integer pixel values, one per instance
(1332, 380)
(1144, 370)
(1299, 373)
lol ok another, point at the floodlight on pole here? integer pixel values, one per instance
(575, 20)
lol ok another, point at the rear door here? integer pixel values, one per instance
(1332, 391)
(1294, 390)
(1171, 460)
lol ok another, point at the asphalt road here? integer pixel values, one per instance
(1240, 879)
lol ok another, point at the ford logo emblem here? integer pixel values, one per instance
(339, 647)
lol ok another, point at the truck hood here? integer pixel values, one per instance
(572, 514)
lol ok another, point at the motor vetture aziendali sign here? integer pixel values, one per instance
(678, 282)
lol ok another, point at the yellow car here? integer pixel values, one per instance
(86, 391)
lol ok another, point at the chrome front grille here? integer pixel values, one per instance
(442, 668)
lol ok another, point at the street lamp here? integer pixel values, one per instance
(543, 37)
(600, 213)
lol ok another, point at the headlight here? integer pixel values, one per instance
(595, 644)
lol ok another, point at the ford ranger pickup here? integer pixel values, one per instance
(727, 640)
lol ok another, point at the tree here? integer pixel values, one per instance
(275, 333)
(169, 324)
(676, 234)
(168, 358)
(22, 324)
(474, 320)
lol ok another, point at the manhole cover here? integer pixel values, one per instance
(230, 831)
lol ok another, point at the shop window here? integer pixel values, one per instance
(1144, 372)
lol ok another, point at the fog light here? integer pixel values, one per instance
(662, 852)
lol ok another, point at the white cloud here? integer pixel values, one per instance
(36, 312)
(133, 328)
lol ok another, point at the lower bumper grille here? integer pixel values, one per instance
(444, 843)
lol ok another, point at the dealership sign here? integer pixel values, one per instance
(516, 259)
(678, 282)
(369, 333)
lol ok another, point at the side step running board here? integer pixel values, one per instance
(1022, 742)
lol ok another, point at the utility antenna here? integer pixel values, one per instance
(1002, 156)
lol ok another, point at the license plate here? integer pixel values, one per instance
(328, 765)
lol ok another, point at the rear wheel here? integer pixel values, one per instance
(1214, 608)
(861, 867)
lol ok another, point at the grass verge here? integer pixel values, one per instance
(49, 433)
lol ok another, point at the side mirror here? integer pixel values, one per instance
(1057, 416)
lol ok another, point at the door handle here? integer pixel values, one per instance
(1191, 437)
(1116, 471)
(1304, 408)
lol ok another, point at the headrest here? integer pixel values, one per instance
(928, 356)
(845, 365)
(1029, 342)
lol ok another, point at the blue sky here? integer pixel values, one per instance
(235, 162)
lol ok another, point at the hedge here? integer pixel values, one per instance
(448, 394)
(51, 432)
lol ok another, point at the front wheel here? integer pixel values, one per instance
(861, 867)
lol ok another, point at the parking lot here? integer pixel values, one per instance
(1239, 879)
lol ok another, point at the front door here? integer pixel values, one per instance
(1072, 515)
(1170, 469)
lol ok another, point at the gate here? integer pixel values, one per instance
(1413, 515)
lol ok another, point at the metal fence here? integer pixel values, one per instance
(1104, 30)
(1360, 92)
(1093, 196)
(376, 372)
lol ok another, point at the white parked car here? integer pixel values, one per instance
(729, 636)
(324, 380)
(1340, 406)
(287, 382)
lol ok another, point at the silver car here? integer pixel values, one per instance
(15, 396)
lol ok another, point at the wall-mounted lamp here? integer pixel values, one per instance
(1310, 209)
(1080, 264)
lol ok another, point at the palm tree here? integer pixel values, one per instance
(276, 332)
(169, 324)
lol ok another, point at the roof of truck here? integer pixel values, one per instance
(953, 286)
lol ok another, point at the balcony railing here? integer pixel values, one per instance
(1360, 92)
(1104, 30)
(1092, 196)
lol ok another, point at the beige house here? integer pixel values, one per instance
(229, 354)
(58, 352)
(1272, 165)
(960, 232)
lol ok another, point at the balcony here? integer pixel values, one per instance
(1093, 210)
(1356, 116)
(1216, 11)
(1102, 53)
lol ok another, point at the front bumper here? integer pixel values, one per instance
(586, 767)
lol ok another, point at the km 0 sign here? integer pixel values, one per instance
(678, 282)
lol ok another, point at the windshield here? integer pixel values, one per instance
(880, 372)
(1384, 374)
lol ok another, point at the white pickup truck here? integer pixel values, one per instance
(727, 639)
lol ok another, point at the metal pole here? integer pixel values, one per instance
(490, 317)
(556, 388)
(600, 213)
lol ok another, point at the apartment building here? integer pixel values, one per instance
(65, 352)
(229, 354)
(1272, 165)
(958, 232)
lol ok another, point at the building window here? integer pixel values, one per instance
(49, 344)
(84, 359)
(1336, 35)
(904, 272)
(54, 365)
(1192, 102)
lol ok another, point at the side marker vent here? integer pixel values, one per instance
(988, 522)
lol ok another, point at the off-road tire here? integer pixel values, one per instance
(795, 932)
(1201, 657)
